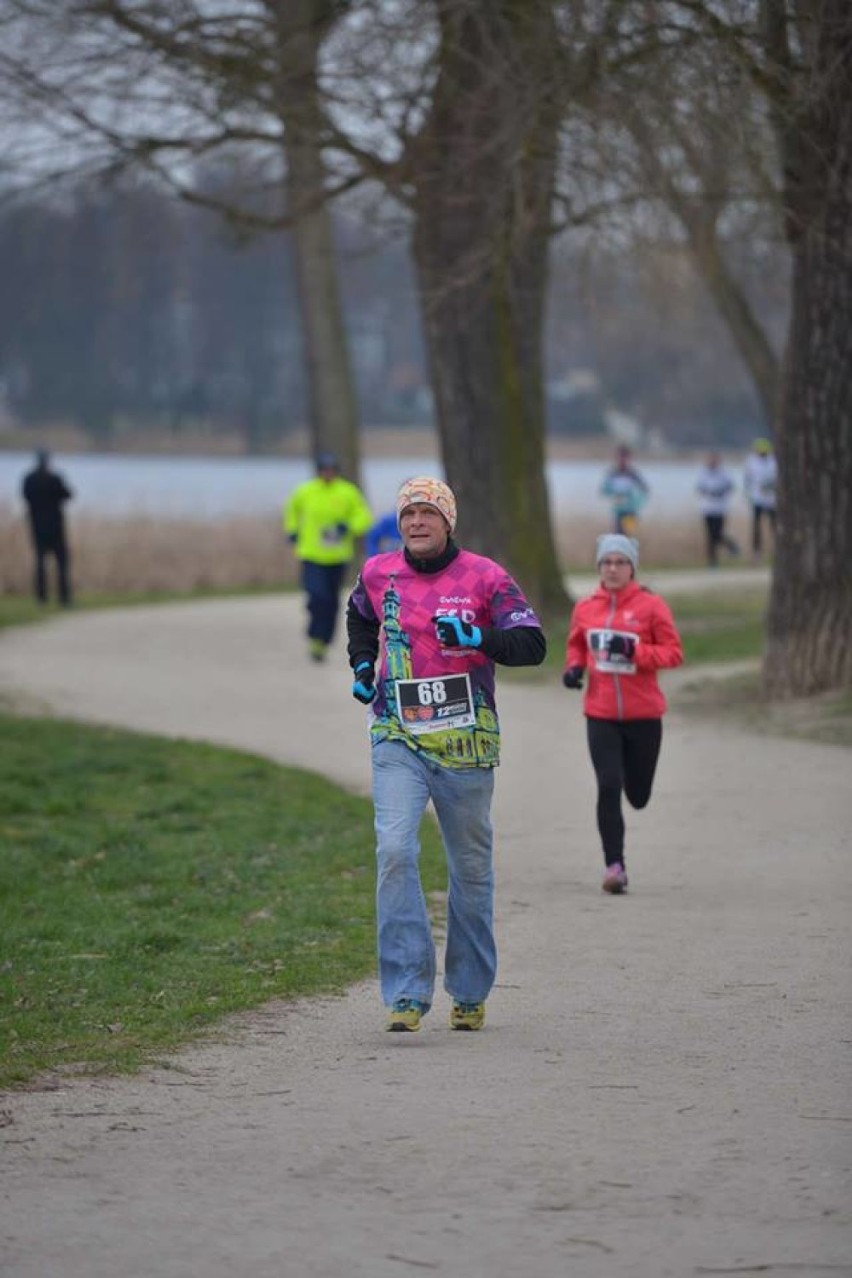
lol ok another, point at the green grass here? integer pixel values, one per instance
(721, 627)
(740, 699)
(149, 887)
(15, 610)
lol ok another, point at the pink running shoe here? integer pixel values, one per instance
(615, 879)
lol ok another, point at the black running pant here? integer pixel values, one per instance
(624, 756)
(716, 537)
(321, 583)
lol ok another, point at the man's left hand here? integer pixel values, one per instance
(454, 633)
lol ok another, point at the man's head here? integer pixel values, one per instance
(762, 447)
(617, 559)
(327, 465)
(425, 515)
(43, 458)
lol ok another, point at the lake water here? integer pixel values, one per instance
(209, 487)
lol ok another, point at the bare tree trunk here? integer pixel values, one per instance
(745, 329)
(698, 208)
(483, 178)
(300, 26)
(810, 611)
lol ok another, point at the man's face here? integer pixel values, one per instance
(424, 530)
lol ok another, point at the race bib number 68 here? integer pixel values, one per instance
(431, 705)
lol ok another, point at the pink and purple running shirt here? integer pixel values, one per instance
(437, 699)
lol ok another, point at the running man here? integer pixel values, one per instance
(322, 518)
(445, 617)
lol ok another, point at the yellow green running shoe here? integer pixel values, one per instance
(405, 1016)
(467, 1016)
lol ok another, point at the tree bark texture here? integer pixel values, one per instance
(810, 611)
(299, 26)
(483, 178)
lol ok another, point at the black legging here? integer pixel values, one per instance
(716, 537)
(624, 756)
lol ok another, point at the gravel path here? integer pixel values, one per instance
(663, 1087)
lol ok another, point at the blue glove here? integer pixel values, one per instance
(454, 633)
(364, 687)
(573, 677)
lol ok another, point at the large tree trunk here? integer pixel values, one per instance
(810, 612)
(300, 26)
(483, 178)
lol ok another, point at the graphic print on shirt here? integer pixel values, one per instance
(439, 713)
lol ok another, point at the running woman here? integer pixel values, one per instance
(445, 617)
(622, 635)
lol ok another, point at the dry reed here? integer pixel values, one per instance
(141, 554)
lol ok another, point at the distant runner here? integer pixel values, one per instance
(760, 481)
(627, 490)
(322, 518)
(715, 487)
(622, 635)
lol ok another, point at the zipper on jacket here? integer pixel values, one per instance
(619, 700)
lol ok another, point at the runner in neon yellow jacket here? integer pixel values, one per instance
(322, 518)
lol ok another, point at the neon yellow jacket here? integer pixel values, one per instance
(326, 516)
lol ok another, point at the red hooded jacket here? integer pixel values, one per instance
(621, 687)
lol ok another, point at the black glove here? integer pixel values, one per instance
(341, 529)
(573, 677)
(364, 687)
(292, 538)
(454, 633)
(622, 645)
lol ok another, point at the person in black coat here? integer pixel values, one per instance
(45, 494)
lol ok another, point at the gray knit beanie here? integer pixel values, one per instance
(618, 544)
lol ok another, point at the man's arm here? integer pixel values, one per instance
(363, 635)
(518, 646)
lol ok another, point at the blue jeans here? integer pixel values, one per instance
(403, 784)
